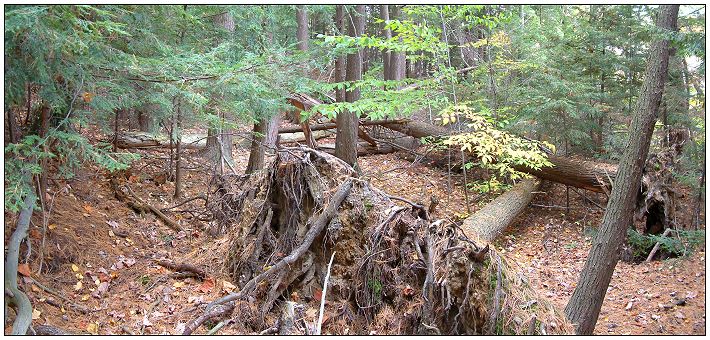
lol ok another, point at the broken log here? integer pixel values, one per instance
(579, 173)
(142, 140)
(490, 222)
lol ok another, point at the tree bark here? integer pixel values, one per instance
(586, 301)
(397, 59)
(387, 34)
(302, 38)
(340, 61)
(219, 140)
(256, 155)
(489, 222)
(178, 152)
(346, 139)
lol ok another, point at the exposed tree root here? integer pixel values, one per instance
(285, 222)
(13, 295)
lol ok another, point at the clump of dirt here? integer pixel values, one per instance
(284, 223)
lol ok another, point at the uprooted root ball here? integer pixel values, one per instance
(393, 272)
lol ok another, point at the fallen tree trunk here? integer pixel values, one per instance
(330, 126)
(142, 140)
(490, 222)
(583, 174)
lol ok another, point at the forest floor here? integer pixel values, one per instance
(100, 255)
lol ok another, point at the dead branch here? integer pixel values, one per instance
(71, 303)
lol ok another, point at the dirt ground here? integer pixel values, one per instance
(100, 255)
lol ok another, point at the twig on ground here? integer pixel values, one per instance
(71, 303)
(657, 246)
(322, 300)
(216, 328)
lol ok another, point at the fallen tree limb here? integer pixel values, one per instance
(71, 303)
(139, 205)
(489, 222)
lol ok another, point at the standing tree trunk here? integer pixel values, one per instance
(346, 139)
(265, 130)
(256, 155)
(302, 37)
(387, 34)
(340, 61)
(219, 140)
(178, 151)
(397, 59)
(586, 301)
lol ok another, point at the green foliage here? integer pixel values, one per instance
(495, 149)
(681, 244)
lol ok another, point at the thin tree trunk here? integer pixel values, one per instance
(178, 152)
(256, 156)
(302, 38)
(586, 301)
(346, 138)
(397, 59)
(219, 140)
(45, 116)
(340, 61)
(387, 34)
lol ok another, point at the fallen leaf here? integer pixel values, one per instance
(52, 226)
(408, 291)
(24, 269)
(110, 233)
(228, 286)
(207, 285)
(35, 314)
(78, 285)
(92, 328)
(195, 299)
(34, 233)
(179, 284)
(88, 208)
(74, 267)
(317, 294)
(103, 287)
(146, 322)
(180, 327)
